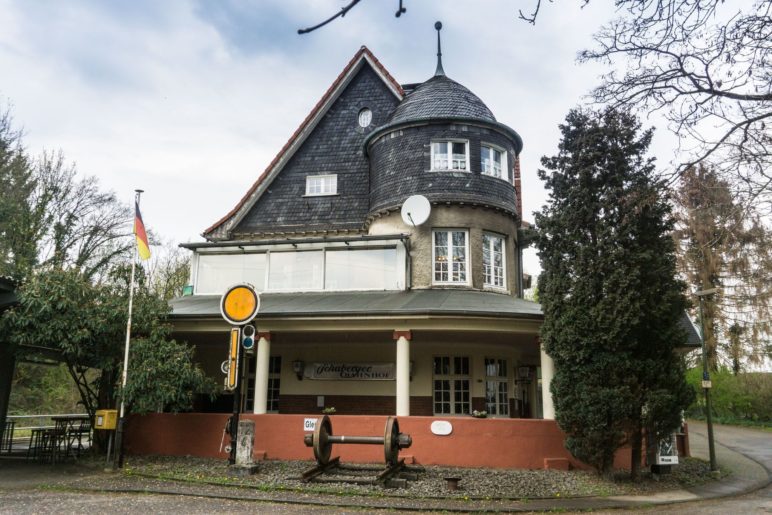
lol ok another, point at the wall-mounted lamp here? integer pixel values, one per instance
(298, 367)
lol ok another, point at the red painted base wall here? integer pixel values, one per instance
(497, 443)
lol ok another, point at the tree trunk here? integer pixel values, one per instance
(105, 400)
(7, 367)
(636, 442)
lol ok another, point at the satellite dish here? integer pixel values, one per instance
(416, 210)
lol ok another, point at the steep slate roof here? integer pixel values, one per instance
(219, 230)
(441, 97)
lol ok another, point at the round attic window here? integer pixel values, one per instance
(365, 117)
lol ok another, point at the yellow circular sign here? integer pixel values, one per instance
(239, 304)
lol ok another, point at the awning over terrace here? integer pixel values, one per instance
(417, 302)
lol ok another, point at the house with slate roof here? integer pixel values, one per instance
(320, 235)
(365, 313)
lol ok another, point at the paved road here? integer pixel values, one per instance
(754, 444)
(66, 502)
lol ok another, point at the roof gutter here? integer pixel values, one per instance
(265, 243)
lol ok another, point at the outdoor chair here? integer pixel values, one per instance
(76, 436)
(6, 442)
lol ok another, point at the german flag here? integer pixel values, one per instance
(139, 231)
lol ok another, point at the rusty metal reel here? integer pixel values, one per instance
(391, 441)
(322, 444)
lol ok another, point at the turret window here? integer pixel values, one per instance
(493, 162)
(493, 260)
(450, 250)
(450, 155)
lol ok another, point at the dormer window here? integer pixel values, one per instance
(493, 162)
(450, 155)
(318, 185)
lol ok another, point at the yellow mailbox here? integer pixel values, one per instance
(105, 419)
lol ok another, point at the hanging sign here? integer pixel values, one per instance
(350, 371)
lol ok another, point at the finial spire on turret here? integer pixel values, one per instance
(439, 70)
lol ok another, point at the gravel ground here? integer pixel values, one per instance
(474, 483)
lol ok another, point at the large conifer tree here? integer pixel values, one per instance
(608, 287)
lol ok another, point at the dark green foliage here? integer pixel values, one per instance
(162, 377)
(608, 289)
(43, 389)
(86, 323)
(17, 184)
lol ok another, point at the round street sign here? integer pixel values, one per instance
(239, 304)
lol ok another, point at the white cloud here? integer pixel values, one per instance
(191, 100)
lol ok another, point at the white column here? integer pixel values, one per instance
(547, 372)
(261, 373)
(403, 373)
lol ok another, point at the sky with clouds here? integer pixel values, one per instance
(190, 100)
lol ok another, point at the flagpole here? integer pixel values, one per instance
(119, 433)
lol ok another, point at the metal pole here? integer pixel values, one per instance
(119, 432)
(706, 389)
(236, 412)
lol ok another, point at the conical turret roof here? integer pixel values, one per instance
(441, 98)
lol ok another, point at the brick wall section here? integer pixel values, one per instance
(491, 442)
(334, 147)
(353, 404)
(401, 164)
(518, 189)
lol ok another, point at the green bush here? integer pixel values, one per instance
(734, 399)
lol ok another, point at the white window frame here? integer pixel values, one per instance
(274, 385)
(504, 171)
(468, 263)
(449, 155)
(325, 188)
(500, 407)
(452, 376)
(486, 282)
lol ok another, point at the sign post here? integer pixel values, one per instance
(238, 306)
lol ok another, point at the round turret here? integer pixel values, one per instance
(442, 142)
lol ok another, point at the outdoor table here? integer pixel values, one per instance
(69, 430)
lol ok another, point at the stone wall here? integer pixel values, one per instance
(477, 220)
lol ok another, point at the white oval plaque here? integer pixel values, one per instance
(441, 427)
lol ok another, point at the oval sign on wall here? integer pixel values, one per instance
(441, 427)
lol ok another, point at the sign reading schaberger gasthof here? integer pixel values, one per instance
(350, 371)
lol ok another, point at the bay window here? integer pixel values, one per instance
(493, 260)
(493, 162)
(450, 155)
(449, 255)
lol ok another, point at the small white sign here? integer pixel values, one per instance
(707, 384)
(441, 427)
(667, 451)
(309, 424)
